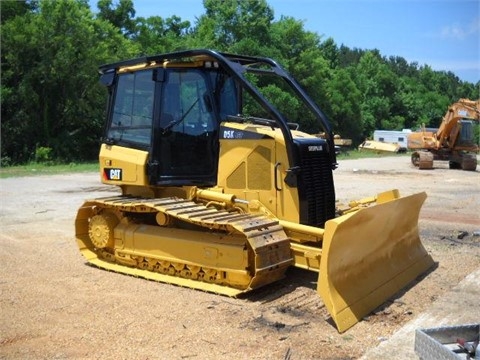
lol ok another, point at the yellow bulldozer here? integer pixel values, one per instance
(220, 192)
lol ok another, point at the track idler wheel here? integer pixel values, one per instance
(100, 230)
(469, 162)
(422, 159)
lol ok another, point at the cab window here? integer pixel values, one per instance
(132, 113)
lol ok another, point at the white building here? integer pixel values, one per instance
(393, 137)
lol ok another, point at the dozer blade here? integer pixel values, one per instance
(368, 256)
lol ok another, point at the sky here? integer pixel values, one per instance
(444, 34)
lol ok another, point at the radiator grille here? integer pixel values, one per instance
(315, 186)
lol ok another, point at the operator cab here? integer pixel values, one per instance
(170, 112)
(466, 135)
(171, 106)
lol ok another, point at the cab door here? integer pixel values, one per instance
(185, 147)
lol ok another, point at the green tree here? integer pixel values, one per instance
(235, 25)
(349, 57)
(401, 67)
(50, 52)
(345, 112)
(300, 53)
(420, 106)
(376, 82)
(290, 40)
(122, 16)
(10, 9)
(330, 52)
(155, 35)
(50, 92)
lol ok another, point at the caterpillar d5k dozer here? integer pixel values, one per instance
(221, 192)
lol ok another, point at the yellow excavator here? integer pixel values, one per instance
(453, 141)
(221, 192)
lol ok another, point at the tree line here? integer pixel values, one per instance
(52, 105)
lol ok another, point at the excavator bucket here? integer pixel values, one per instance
(368, 256)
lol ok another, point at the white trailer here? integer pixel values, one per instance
(393, 137)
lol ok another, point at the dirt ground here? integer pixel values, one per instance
(54, 306)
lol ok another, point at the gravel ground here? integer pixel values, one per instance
(54, 306)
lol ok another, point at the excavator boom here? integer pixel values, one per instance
(448, 131)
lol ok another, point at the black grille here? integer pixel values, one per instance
(315, 183)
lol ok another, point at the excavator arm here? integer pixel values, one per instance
(448, 131)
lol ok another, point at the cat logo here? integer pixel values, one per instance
(113, 174)
(315, 148)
